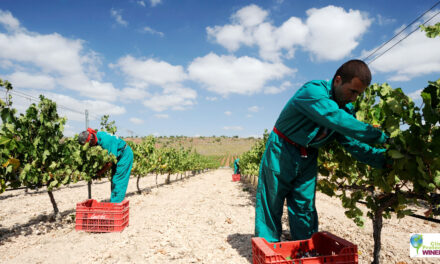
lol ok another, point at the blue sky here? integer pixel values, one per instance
(200, 68)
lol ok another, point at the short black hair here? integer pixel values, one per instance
(82, 137)
(354, 68)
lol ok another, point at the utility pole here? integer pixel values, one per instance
(130, 133)
(87, 119)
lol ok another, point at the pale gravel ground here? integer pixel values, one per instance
(202, 219)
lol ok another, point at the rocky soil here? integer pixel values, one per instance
(205, 218)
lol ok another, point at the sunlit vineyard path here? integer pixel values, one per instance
(205, 218)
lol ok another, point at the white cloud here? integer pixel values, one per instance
(9, 21)
(152, 31)
(254, 109)
(91, 61)
(250, 16)
(162, 116)
(99, 108)
(130, 93)
(228, 74)
(275, 90)
(228, 113)
(69, 131)
(141, 3)
(230, 36)
(26, 80)
(329, 33)
(175, 99)
(263, 36)
(117, 15)
(51, 53)
(240, 32)
(382, 21)
(136, 121)
(416, 95)
(236, 128)
(145, 72)
(290, 34)
(51, 60)
(102, 91)
(333, 32)
(415, 56)
(155, 2)
(208, 98)
(89, 88)
(6, 64)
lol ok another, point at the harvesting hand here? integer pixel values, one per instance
(107, 166)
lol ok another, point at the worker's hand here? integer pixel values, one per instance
(387, 142)
(100, 172)
(104, 169)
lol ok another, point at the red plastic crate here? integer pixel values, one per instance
(331, 250)
(93, 216)
(235, 177)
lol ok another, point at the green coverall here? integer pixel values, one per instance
(310, 118)
(120, 171)
(236, 167)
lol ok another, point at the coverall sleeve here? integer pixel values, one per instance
(316, 104)
(365, 153)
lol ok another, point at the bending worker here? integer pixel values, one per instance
(236, 166)
(320, 111)
(121, 170)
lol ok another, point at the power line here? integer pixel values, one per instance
(36, 99)
(415, 20)
(58, 105)
(417, 28)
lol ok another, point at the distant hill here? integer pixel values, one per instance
(208, 146)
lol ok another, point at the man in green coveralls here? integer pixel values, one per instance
(124, 155)
(236, 166)
(320, 111)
